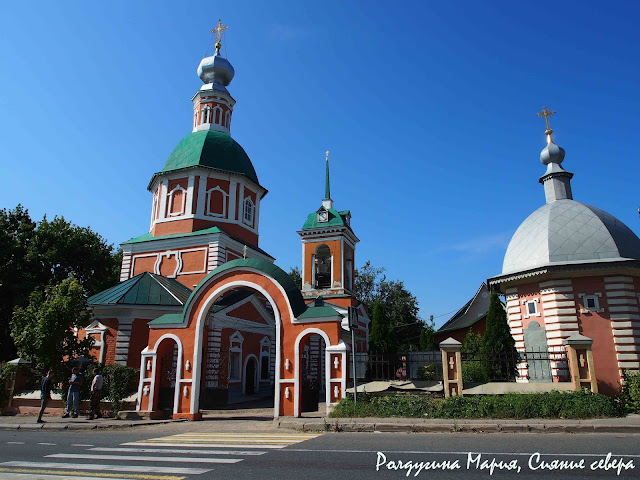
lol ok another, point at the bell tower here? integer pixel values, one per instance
(328, 248)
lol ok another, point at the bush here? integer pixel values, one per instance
(474, 372)
(428, 372)
(119, 382)
(7, 372)
(513, 405)
(630, 393)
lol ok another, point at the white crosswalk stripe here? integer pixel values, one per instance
(148, 459)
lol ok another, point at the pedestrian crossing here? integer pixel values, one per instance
(172, 457)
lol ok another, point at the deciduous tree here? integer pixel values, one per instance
(45, 331)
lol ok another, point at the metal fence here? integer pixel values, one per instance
(404, 366)
(533, 366)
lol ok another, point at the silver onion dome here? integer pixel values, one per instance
(552, 153)
(216, 69)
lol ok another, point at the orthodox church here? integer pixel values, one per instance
(573, 271)
(201, 309)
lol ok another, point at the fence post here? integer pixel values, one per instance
(451, 367)
(580, 357)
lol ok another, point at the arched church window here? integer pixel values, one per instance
(249, 208)
(177, 200)
(216, 202)
(206, 113)
(235, 356)
(323, 267)
(217, 115)
(227, 120)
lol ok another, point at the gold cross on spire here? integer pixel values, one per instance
(218, 31)
(546, 113)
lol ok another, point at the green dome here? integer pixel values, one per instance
(211, 149)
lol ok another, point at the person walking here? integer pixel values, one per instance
(96, 394)
(45, 394)
(73, 397)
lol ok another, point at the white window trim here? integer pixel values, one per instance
(208, 202)
(206, 115)
(526, 303)
(265, 343)
(595, 297)
(184, 201)
(244, 211)
(235, 346)
(217, 108)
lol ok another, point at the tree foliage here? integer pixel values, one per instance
(296, 276)
(381, 334)
(497, 336)
(498, 340)
(472, 343)
(371, 287)
(44, 331)
(36, 255)
(427, 336)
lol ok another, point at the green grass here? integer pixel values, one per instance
(510, 406)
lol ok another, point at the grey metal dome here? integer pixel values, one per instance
(569, 232)
(216, 70)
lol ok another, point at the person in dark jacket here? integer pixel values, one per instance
(45, 394)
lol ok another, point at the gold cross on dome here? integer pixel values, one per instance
(546, 113)
(218, 30)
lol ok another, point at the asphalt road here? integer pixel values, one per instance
(210, 450)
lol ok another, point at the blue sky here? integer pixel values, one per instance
(428, 109)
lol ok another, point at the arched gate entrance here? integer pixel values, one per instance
(294, 321)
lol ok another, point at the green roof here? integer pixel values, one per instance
(144, 289)
(148, 236)
(286, 282)
(319, 312)
(336, 219)
(211, 149)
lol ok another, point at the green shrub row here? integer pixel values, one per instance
(514, 406)
(630, 393)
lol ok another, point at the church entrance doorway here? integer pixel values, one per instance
(167, 366)
(250, 377)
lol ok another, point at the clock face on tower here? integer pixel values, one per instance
(323, 216)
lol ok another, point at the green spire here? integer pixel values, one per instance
(327, 188)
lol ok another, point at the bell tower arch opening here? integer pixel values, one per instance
(322, 268)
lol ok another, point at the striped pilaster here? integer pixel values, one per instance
(212, 372)
(123, 340)
(125, 270)
(217, 256)
(272, 361)
(560, 319)
(622, 302)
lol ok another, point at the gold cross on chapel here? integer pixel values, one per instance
(546, 113)
(218, 30)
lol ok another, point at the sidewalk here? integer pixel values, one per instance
(28, 422)
(629, 424)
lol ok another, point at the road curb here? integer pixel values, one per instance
(79, 426)
(455, 427)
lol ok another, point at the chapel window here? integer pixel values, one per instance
(531, 308)
(248, 211)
